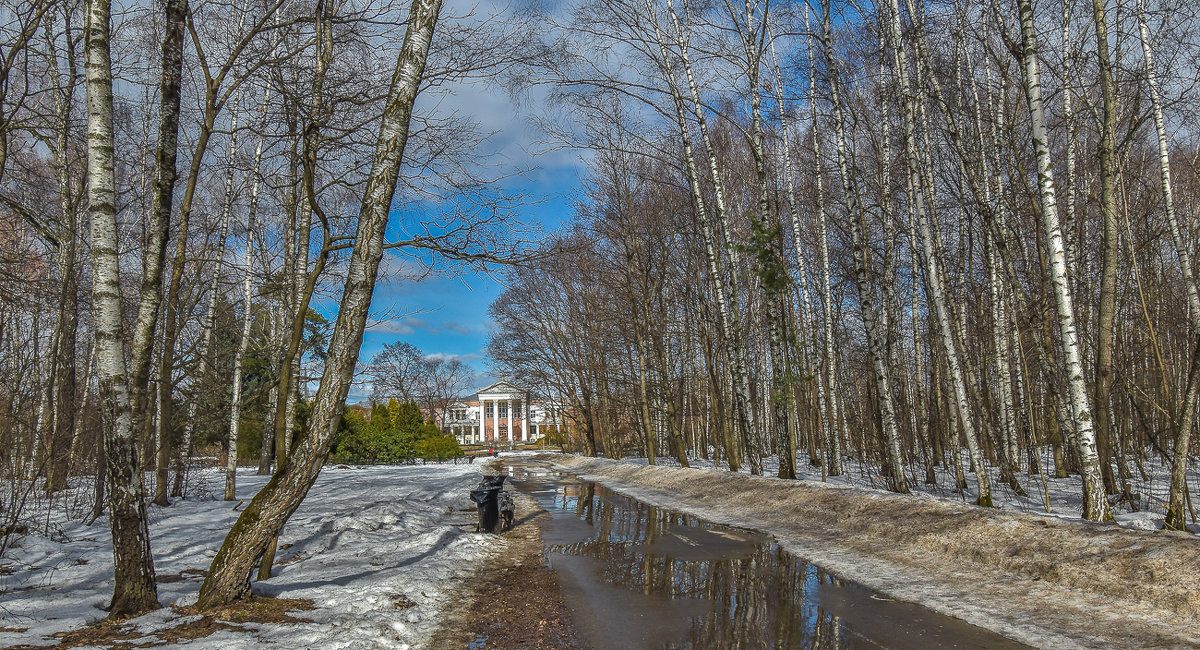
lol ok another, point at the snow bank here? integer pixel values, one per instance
(381, 552)
(1043, 494)
(1043, 581)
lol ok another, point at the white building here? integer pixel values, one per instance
(500, 413)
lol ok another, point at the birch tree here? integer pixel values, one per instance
(274, 504)
(1175, 507)
(918, 185)
(134, 588)
(867, 304)
(1095, 505)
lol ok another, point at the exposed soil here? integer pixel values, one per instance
(514, 601)
(1041, 581)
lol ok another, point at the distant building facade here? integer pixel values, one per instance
(500, 413)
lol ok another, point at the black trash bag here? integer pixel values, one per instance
(492, 481)
(485, 499)
(507, 510)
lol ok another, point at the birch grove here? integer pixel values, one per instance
(165, 233)
(924, 246)
(989, 337)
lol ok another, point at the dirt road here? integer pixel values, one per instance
(514, 601)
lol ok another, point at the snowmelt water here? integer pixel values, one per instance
(639, 576)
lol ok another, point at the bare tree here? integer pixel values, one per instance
(271, 507)
(134, 589)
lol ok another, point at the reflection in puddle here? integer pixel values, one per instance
(638, 576)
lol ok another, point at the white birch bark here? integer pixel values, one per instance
(730, 333)
(875, 342)
(918, 186)
(833, 408)
(134, 589)
(1095, 505)
(1175, 501)
(773, 277)
(235, 408)
(214, 286)
(797, 236)
(1068, 109)
(736, 349)
(235, 405)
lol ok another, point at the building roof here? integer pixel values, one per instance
(501, 386)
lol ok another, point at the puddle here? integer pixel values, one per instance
(638, 576)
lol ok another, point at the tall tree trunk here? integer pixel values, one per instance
(644, 386)
(733, 335)
(214, 286)
(1183, 431)
(730, 336)
(767, 245)
(165, 174)
(63, 385)
(674, 406)
(918, 185)
(1108, 249)
(275, 503)
(134, 589)
(235, 404)
(235, 408)
(875, 338)
(832, 395)
(1095, 505)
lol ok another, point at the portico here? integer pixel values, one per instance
(504, 410)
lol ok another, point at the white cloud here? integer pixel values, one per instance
(445, 356)
(457, 328)
(391, 326)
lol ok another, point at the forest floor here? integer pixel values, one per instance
(1044, 581)
(373, 558)
(514, 600)
(388, 557)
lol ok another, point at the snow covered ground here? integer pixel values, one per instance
(1065, 495)
(381, 552)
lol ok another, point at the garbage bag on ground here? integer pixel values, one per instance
(485, 499)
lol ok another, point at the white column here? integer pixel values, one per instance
(510, 430)
(481, 413)
(495, 421)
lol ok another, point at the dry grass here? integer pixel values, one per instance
(1038, 580)
(194, 624)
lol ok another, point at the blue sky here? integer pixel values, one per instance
(445, 314)
(448, 315)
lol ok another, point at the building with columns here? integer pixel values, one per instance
(502, 413)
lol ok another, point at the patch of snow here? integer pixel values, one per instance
(381, 551)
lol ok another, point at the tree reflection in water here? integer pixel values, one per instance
(757, 595)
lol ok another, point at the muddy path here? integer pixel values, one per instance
(1039, 581)
(514, 600)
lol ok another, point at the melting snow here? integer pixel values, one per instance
(366, 542)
